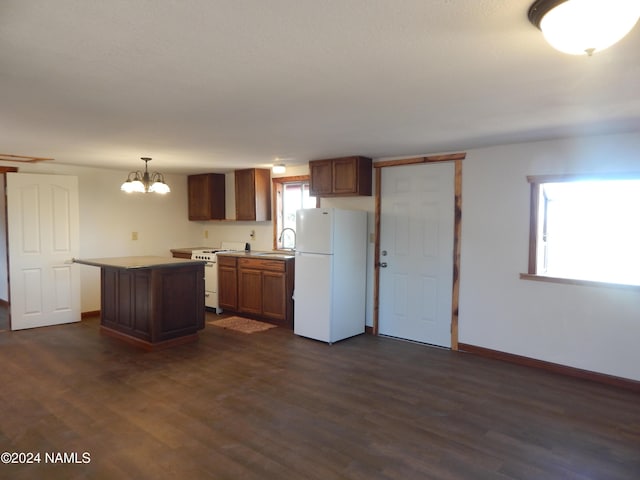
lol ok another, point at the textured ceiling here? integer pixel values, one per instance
(210, 85)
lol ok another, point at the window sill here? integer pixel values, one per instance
(575, 281)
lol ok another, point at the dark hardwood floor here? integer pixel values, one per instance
(271, 405)
(4, 318)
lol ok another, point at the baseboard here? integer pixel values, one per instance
(620, 382)
(148, 346)
(83, 315)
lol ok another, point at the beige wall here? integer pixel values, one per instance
(584, 327)
(109, 216)
(593, 328)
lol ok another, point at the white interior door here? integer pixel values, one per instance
(416, 244)
(43, 232)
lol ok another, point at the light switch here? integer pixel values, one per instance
(134, 235)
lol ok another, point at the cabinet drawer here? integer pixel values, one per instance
(226, 261)
(261, 264)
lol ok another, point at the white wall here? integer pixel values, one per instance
(592, 328)
(109, 216)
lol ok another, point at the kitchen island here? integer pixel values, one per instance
(150, 302)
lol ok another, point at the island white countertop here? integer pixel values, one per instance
(146, 261)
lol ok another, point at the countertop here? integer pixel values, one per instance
(271, 255)
(137, 262)
(188, 250)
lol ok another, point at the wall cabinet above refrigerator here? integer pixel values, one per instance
(340, 177)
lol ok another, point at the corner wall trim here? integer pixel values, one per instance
(603, 378)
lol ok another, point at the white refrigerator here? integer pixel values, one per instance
(330, 279)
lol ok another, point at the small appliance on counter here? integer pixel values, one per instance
(330, 280)
(211, 270)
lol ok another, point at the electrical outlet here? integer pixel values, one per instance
(206, 234)
(134, 235)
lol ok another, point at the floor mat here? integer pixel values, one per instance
(241, 324)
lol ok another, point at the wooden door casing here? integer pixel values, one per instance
(457, 158)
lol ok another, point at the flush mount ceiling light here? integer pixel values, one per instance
(144, 182)
(279, 168)
(582, 27)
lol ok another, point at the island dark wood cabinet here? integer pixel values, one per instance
(263, 288)
(338, 177)
(253, 194)
(206, 196)
(151, 302)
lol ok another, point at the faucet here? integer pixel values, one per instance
(294, 236)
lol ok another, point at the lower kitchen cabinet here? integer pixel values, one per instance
(264, 287)
(249, 290)
(227, 282)
(274, 293)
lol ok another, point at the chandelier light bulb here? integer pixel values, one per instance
(143, 182)
(583, 27)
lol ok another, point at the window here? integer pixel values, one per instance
(290, 195)
(585, 228)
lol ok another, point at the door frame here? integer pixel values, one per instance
(457, 230)
(6, 303)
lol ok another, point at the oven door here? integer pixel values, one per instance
(211, 284)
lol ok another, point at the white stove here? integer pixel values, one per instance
(211, 270)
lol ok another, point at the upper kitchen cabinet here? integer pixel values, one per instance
(253, 194)
(206, 196)
(337, 177)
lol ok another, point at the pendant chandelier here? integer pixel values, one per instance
(582, 27)
(144, 182)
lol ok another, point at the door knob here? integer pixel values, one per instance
(383, 264)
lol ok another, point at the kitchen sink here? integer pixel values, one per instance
(278, 254)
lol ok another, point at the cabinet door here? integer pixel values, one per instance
(250, 291)
(253, 194)
(228, 287)
(345, 176)
(262, 194)
(206, 196)
(340, 176)
(274, 293)
(245, 194)
(198, 201)
(320, 172)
